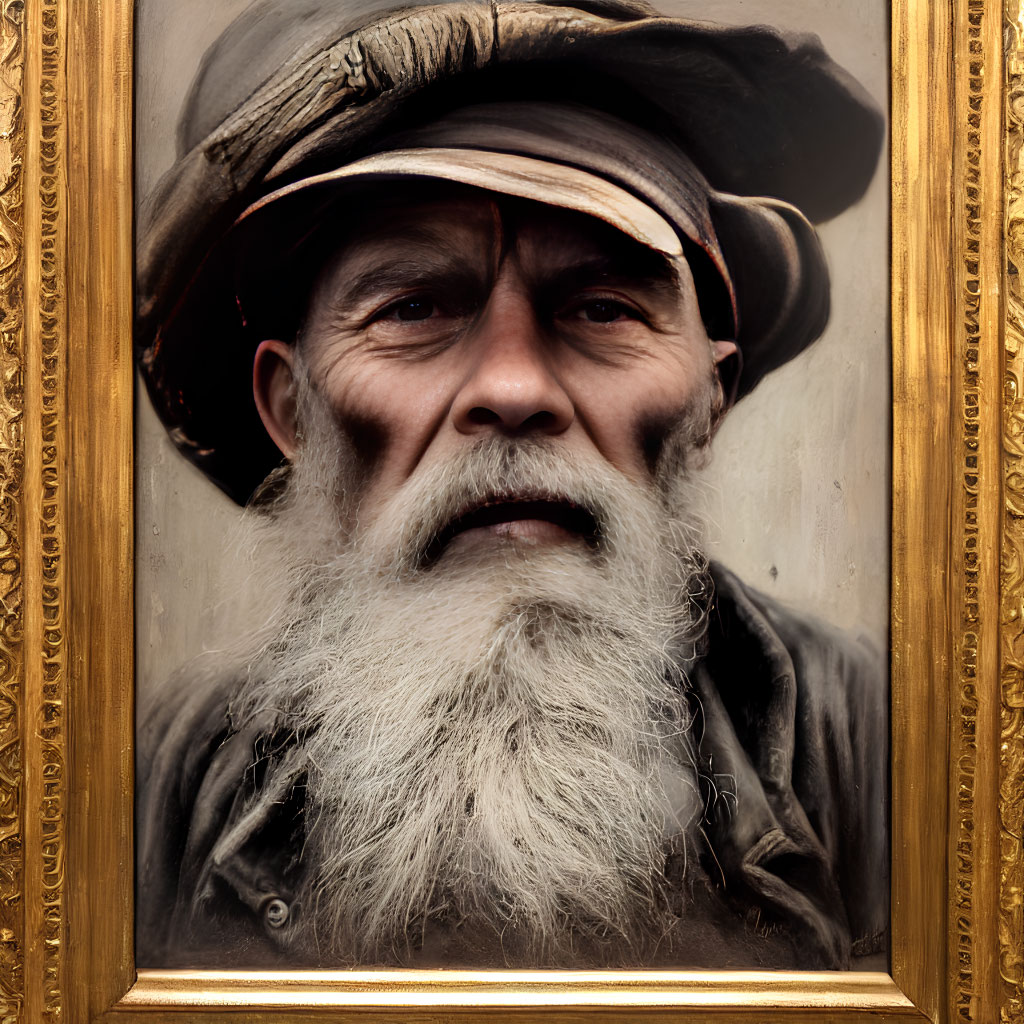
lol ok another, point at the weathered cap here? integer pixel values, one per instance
(729, 135)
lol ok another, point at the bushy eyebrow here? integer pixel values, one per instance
(656, 275)
(420, 258)
(382, 275)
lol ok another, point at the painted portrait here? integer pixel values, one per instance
(512, 474)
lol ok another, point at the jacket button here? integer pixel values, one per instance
(276, 913)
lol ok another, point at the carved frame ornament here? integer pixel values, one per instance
(66, 568)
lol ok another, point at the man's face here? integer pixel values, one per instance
(487, 662)
(459, 316)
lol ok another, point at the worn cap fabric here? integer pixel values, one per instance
(729, 135)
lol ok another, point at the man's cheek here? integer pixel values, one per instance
(652, 432)
(369, 438)
(359, 410)
(669, 438)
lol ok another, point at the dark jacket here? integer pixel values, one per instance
(792, 723)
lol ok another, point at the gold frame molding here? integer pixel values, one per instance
(66, 568)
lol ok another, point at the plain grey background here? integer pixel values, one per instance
(799, 484)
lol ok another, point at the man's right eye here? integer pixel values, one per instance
(413, 309)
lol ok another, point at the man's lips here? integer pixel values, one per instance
(528, 519)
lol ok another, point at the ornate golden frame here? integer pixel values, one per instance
(66, 567)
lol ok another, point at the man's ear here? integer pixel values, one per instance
(722, 350)
(273, 387)
(728, 376)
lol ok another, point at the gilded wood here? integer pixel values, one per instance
(639, 993)
(923, 431)
(51, 792)
(12, 148)
(94, 472)
(977, 197)
(1011, 782)
(44, 516)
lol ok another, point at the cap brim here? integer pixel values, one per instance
(509, 174)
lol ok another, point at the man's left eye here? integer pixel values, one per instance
(605, 311)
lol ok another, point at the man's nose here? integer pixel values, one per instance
(512, 385)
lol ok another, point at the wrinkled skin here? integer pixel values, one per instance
(457, 314)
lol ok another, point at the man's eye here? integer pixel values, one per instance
(605, 311)
(413, 309)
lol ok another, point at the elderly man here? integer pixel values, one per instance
(454, 298)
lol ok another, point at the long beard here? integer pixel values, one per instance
(498, 749)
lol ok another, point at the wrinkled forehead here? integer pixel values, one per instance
(439, 223)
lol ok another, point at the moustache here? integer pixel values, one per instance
(497, 485)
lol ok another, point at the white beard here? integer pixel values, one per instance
(497, 744)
